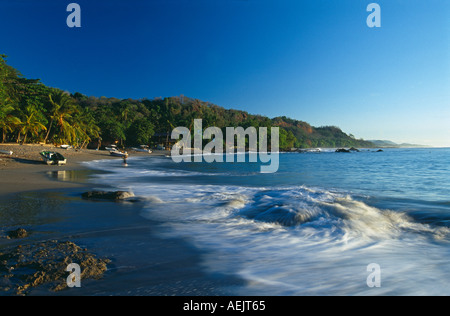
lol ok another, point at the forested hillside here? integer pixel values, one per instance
(32, 112)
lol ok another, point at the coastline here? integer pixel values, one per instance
(46, 201)
(25, 171)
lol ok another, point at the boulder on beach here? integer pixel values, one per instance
(110, 196)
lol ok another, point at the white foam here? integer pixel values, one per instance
(299, 240)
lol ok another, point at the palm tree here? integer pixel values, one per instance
(8, 122)
(32, 122)
(85, 127)
(61, 113)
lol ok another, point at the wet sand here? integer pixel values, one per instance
(25, 171)
(46, 201)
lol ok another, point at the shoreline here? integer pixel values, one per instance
(46, 201)
(25, 171)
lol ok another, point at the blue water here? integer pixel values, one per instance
(313, 227)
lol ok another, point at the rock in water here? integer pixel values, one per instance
(44, 264)
(18, 233)
(110, 196)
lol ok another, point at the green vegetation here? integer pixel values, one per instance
(33, 112)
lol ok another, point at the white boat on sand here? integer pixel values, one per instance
(117, 153)
(111, 147)
(53, 158)
(6, 152)
(143, 149)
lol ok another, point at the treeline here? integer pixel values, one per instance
(307, 136)
(32, 112)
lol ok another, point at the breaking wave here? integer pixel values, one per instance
(293, 240)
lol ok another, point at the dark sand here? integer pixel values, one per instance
(46, 201)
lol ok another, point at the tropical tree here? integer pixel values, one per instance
(85, 127)
(32, 123)
(62, 108)
(140, 132)
(8, 121)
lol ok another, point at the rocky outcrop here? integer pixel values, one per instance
(342, 150)
(27, 266)
(18, 233)
(109, 196)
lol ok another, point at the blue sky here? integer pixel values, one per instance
(312, 60)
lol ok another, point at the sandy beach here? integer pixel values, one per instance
(25, 171)
(46, 201)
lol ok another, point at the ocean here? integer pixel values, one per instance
(315, 227)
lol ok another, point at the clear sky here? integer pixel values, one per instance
(312, 60)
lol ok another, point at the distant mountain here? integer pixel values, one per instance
(307, 136)
(388, 143)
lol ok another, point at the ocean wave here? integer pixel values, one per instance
(299, 240)
(302, 206)
(293, 206)
(295, 240)
(140, 167)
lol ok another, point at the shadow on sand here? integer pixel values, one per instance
(28, 161)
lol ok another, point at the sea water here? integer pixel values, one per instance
(312, 228)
